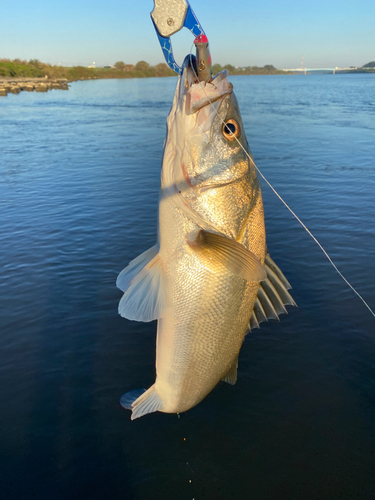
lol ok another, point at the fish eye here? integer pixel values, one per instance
(231, 130)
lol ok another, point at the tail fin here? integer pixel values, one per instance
(142, 402)
(128, 398)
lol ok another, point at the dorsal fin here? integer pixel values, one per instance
(134, 266)
(143, 282)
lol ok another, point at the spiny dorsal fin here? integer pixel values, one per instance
(218, 252)
(273, 296)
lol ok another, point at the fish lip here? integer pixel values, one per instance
(194, 94)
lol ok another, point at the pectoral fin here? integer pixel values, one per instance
(218, 252)
(143, 282)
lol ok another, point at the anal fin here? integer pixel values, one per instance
(231, 375)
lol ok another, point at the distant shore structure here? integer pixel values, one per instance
(321, 70)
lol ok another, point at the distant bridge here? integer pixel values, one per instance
(311, 70)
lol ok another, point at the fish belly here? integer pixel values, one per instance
(200, 336)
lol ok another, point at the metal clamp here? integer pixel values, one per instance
(169, 17)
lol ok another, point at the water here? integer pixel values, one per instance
(79, 179)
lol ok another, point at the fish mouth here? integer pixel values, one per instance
(199, 94)
(198, 104)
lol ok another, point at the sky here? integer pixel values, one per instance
(329, 33)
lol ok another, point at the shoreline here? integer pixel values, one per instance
(15, 85)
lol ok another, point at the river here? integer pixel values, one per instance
(79, 181)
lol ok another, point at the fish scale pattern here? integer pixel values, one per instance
(211, 307)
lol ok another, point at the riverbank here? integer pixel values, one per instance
(17, 76)
(17, 85)
(36, 69)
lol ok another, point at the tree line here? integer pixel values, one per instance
(33, 68)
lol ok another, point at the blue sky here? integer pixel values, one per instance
(241, 32)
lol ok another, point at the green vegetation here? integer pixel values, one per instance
(35, 69)
(18, 68)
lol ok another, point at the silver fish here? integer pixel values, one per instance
(209, 278)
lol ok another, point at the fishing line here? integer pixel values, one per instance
(279, 196)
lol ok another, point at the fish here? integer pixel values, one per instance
(209, 279)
